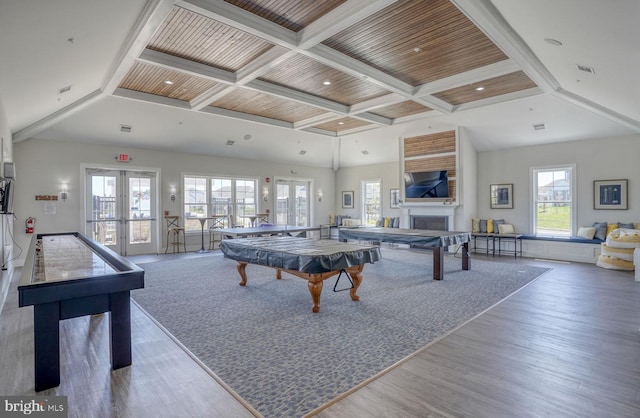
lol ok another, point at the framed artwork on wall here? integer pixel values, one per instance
(395, 198)
(501, 196)
(347, 200)
(610, 194)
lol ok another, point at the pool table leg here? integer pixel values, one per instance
(315, 288)
(241, 267)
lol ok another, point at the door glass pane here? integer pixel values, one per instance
(103, 209)
(282, 204)
(302, 205)
(139, 210)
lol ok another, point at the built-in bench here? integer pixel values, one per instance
(577, 240)
(559, 248)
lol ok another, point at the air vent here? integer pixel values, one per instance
(365, 152)
(302, 152)
(230, 142)
(125, 128)
(539, 127)
(586, 69)
(64, 89)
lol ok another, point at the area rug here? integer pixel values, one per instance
(266, 344)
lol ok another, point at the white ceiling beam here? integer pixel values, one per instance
(598, 109)
(297, 96)
(151, 98)
(516, 95)
(265, 62)
(154, 13)
(468, 77)
(316, 120)
(417, 116)
(46, 122)
(338, 19)
(211, 95)
(373, 118)
(239, 18)
(434, 103)
(172, 62)
(321, 132)
(246, 116)
(386, 100)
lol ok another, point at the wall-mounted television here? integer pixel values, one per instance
(426, 185)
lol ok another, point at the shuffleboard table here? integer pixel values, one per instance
(432, 240)
(68, 275)
(309, 259)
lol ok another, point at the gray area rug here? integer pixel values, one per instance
(265, 343)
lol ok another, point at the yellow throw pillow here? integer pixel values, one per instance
(475, 225)
(611, 228)
(386, 222)
(490, 226)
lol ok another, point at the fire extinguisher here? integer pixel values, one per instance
(30, 224)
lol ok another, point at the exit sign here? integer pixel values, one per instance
(123, 158)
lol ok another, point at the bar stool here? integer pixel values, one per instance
(175, 234)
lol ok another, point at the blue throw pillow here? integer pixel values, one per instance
(601, 230)
(483, 226)
(496, 225)
(626, 226)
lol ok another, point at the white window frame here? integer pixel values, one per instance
(363, 209)
(534, 197)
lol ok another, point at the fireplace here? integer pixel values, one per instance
(432, 223)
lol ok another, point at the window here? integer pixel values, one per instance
(206, 196)
(553, 210)
(371, 198)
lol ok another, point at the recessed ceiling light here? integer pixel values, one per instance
(553, 42)
(247, 137)
(480, 88)
(340, 123)
(326, 83)
(417, 49)
(230, 142)
(168, 82)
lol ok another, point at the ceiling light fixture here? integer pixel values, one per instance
(340, 123)
(479, 88)
(417, 49)
(553, 42)
(169, 82)
(247, 137)
(326, 83)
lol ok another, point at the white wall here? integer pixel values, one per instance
(6, 226)
(43, 166)
(601, 159)
(349, 178)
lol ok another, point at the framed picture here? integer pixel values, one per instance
(610, 194)
(347, 200)
(395, 198)
(501, 196)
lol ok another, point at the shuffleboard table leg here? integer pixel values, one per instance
(241, 267)
(466, 260)
(315, 288)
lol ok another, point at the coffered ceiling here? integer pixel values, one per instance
(321, 70)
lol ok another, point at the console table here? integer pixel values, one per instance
(493, 243)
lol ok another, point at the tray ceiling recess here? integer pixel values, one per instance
(331, 67)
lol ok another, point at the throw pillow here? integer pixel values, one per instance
(626, 226)
(490, 228)
(586, 232)
(601, 230)
(611, 228)
(496, 225)
(483, 226)
(506, 229)
(475, 225)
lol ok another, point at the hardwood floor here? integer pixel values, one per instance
(566, 345)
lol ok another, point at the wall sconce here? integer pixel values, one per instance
(172, 196)
(63, 193)
(319, 195)
(265, 194)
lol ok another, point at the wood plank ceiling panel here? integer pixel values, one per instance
(293, 15)
(256, 103)
(399, 110)
(305, 74)
(152, 79)
(418, 41)
(492, 87)
(197, 38)
(341, 125)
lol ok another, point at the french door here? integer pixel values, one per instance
(121, 210)
(293, 202)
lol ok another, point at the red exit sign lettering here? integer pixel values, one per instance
(123, 158)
